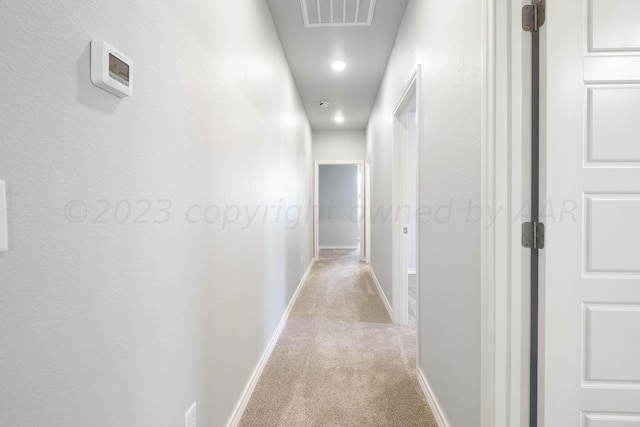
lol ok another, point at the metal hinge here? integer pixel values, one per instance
(533, 16)
(533, 235)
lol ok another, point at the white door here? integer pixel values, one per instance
(590, 347)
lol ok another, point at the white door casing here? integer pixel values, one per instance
(506, 202)
(400, 199)
(367, 209)
(590, 342)
(361, 216)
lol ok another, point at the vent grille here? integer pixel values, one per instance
(337, 13)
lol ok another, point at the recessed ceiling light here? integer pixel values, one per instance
(339, 119)
(338, 65)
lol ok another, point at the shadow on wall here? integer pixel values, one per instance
(89, 95)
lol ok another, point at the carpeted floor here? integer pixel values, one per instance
(340, 361)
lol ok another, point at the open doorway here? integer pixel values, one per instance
(412, 244)
(405, 201)
(339, 207)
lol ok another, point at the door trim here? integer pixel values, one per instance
(409, 98)
(505, 191)
(491, 377)
(316, 205)
(367, 208)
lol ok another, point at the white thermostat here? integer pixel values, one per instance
(111, 70)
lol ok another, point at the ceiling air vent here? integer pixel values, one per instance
(336, 13)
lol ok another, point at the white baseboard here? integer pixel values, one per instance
(383, 297)
(253, 381)
(437, 411)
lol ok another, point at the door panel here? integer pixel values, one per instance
(591, 274)
(611, 420)
(612, 234)
(614, 25)
(612, 357)
(613, 125)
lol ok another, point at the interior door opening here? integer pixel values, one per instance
(339, 207)
(405, 202)
(412, 179)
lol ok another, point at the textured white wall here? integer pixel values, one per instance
(338, 225)
(445, 37)
(339, 145)
(124, 319)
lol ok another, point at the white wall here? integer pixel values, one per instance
(338, 225)
(339, 145)
(445, 37)
(108, 321)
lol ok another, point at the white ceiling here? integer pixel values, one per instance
(310, 51)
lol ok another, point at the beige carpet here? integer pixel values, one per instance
(339, 360)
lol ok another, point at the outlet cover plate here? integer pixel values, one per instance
(190, 416)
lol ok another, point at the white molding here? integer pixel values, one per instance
(340, 162)
(253, 381)
(400, 284)
(436, 409)
(513, 266)
(352, 248)
(383, 297)
(488, 238)
(506, 122)
(367, 209)
(411, 271)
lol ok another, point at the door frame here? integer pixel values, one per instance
(367, 208)
(506, 177)
(409, 99)
(316, 205)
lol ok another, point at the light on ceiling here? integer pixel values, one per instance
(338, 65)
(339, 119)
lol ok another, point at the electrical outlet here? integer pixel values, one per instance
(190, 416)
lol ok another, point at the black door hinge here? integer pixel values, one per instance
(533, 235)
(533, 16)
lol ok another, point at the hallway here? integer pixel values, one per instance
(340, 360)
(154, 243)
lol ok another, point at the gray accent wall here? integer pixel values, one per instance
(338, 206)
